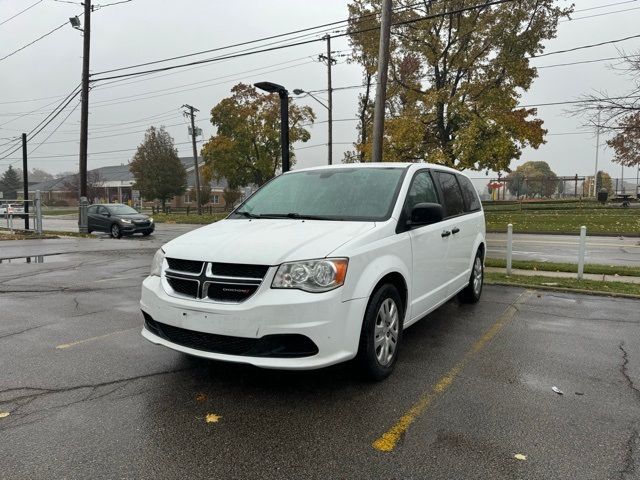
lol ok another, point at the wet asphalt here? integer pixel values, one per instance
(88, 397)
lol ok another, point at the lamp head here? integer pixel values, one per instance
(270, 87)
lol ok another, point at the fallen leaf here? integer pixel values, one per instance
(212, 418)
(4, 414)
(201, 397)
(557, 390)
(519, 456)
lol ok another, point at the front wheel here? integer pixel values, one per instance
(115, 231)
(381, 333)
(472, 292)
(146, 233)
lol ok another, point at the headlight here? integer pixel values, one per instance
(315, 276)
(124, 220)
(150, 219)
(156, 265)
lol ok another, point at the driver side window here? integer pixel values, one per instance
(422, 191)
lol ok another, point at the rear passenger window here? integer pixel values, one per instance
(422, 190)
(471, 200)
(452, 195)
(92, 209)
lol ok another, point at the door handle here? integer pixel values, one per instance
(455, 230)
(445, 233)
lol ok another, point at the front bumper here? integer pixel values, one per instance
(331, 324)
(131, 228)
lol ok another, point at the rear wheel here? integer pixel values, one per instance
(472, 292)
(381, 333)
(115, 231)
(146, 233)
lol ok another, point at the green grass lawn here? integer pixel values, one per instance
(184, 218)
(560, 219)
(589, 286)
(565, 267)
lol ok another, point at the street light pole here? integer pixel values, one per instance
(284, 118)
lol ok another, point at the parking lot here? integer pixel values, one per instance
(88, 397)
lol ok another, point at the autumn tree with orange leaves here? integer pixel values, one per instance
(456, 76)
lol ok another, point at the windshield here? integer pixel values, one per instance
(361, 194)
(121, 210)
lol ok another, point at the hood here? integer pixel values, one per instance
(264, 241)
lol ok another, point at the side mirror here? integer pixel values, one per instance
(426, 214)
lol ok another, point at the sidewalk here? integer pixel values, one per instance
(586, 276)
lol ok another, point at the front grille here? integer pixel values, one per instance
(220, 282)
(276, 346)
(189, 266)
(184, 286)
(239, 270)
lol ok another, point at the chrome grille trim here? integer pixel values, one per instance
(206, 279)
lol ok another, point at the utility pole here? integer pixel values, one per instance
(25, 181)
(191, 113)
(381, 88)
(84, 111)
(330, 62)
(595, 175)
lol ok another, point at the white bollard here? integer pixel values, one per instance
(38, 209)
(509, 247)
(581, 251)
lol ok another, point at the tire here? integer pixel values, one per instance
(115, 230)
(89, 231)
(383, 320)
(473, 290)
(146, 233)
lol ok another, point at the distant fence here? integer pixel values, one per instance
(188, 210)
(552, 187)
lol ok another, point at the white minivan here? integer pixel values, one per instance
(320, 266)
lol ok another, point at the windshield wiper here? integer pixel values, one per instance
(297, 216)
(248, 214)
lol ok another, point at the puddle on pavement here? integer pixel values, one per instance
(36, 259)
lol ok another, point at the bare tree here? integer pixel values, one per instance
(607, 112)
(94, 185)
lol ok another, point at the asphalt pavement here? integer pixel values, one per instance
(471, 397)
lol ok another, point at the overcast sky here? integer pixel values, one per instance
(145, 30)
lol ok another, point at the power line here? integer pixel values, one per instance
(249, 42)
(278, 47)
(34, 41)
(582, 47)
(168, 91)
(20, 12)
(46, 121)
(598, 15)
(605, 6)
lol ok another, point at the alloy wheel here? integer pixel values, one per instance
(477, 276)
(386, 331)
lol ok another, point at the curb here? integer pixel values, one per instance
(564, 289)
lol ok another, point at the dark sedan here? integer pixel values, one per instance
(118, 220)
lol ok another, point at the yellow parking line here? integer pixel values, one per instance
(389, 439)
(73, 344)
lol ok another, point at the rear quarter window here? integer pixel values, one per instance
(469, 193)
(451, 193)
